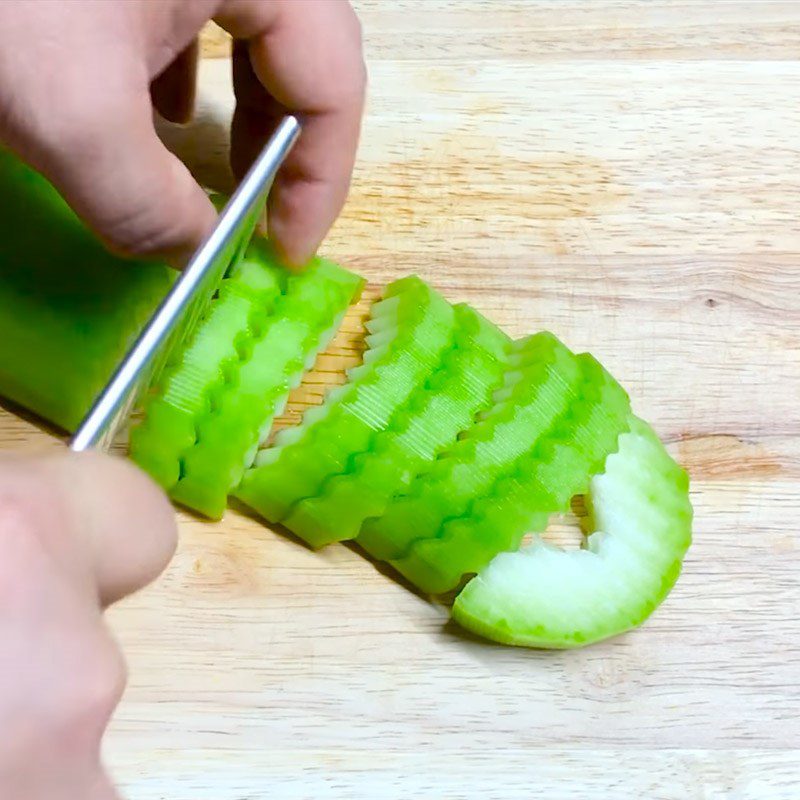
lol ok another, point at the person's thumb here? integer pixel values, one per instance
(111, 167)
(98, 514)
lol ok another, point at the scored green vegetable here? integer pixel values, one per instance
(261, 333)
(541, 482)
(409, 330)
(184, 391)
(543, 596)
(69, 310)
(446, 446)
(541, 381)
(470, 369)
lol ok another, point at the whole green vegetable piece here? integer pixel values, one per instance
(69, 309)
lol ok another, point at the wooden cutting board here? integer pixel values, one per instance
(627, 175)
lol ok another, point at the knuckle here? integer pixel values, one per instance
(105, 681)
(362, 77)
(136, 205)
(158, 218)
(93, 695)
(63, 722)
(144, 230)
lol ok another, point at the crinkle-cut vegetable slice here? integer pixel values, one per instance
(273, 352)
(409, 330)
(183, 392)
(542, 596)
(541, 381)
(69, 310)
(469, 371)
(558, 466)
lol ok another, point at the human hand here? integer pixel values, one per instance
(75, 102)
(77, 532)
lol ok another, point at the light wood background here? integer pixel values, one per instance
(626, 174)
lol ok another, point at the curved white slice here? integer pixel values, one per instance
(542, 596)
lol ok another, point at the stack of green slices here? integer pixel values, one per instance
(447, 447)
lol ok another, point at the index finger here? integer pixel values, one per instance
(307, 57)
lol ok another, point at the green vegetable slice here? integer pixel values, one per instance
(69, 310)
(558, 466)
(541, 380)
(409, 330)
(273, 359)
(260, 334)
(184, 390)
(543, 596)
(470, 369)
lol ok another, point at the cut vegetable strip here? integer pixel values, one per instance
(273, 352)
(542, 596)
(184, 391)
(437, 411)
(541, 381)
(559, 465)
(409, 330)
(69, 310)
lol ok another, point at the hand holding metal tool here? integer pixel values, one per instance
(180, 310)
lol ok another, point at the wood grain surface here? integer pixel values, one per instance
(626, 174)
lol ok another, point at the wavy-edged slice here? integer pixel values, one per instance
(183, 393)
(541, 381)
(542, 596)
(559, 465)
(470, 370)
(409, 330)
(274, 353)
(203, 425)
